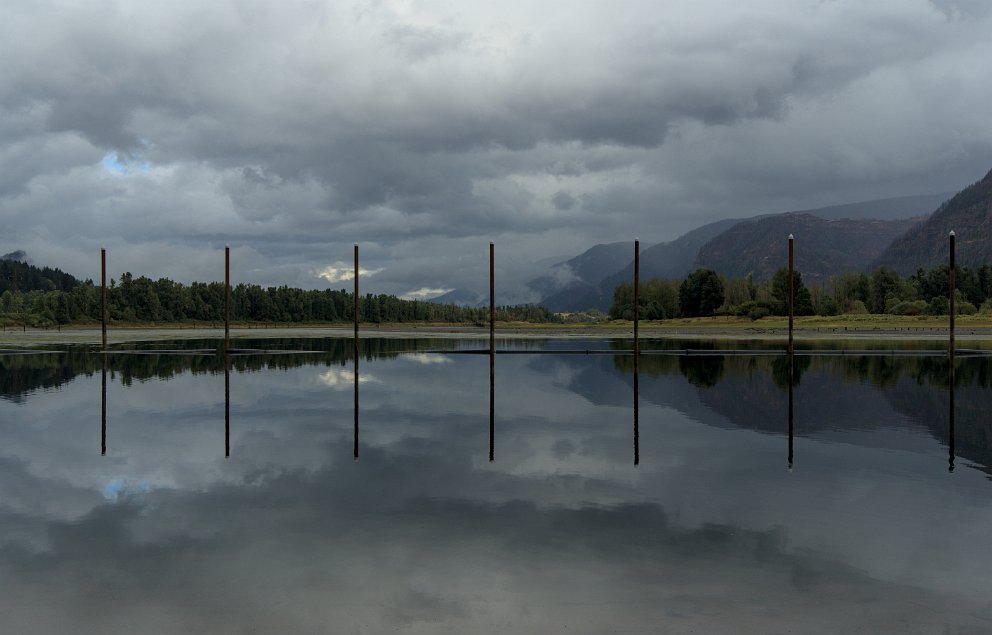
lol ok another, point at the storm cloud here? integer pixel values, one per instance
(423, 130)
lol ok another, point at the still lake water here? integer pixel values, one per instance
(870, 531)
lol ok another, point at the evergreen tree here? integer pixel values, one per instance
(701, 294)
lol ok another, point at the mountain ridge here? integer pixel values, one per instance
(968, 213)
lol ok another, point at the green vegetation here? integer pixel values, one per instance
(163, 301)
(704, 293)
(16, 275)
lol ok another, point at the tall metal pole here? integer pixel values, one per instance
(492, 351)
(356, 296)
(792, 350)
(357, 353)
(950, 296)
(951, 273)
(791, 293)
(103, 296)
(227, 297)
(492, 298)
(637, 293)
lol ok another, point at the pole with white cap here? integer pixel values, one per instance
(103, 297)
(791, 292)
(950, 294)
(637, 293)
(950, 350)
(227, 297)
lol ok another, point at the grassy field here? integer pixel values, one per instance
(973, 327)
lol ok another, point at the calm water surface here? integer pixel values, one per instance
(882, 524)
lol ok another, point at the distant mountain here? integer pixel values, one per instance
(461, 297)
(897, 208)
(823, 247)
(672, 259)
(675, 259)
(19, 255)
(968, 213)
(572, 285)
(15, 272)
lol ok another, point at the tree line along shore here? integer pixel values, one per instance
(57, 299)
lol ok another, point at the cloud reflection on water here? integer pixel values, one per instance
(425, 535)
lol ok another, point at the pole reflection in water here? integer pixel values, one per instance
(227, 403)
(637, 435)
(950, 413)
(492, 404)
(103, 410)
(792, 370)
(356, 400)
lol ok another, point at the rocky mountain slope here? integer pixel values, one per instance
(968, 213)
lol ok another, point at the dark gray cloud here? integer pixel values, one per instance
(292, 131)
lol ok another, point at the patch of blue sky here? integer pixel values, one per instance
(113, 163)
(117, 488)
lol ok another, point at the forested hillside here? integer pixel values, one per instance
(144, 300)
(824, 248)
(19, 275)
(968, 214)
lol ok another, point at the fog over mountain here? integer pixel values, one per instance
(833, 240)
(424, 129)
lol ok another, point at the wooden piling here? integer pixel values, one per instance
(356, 298)
(951, 271)
(227, 297)
(792, 350)
(637, 293)
(492, 351)
(492, 298)
(951, 275)
(357, 353)
(103, 297)
(791, 292)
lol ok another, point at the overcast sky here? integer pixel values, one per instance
(425, 129)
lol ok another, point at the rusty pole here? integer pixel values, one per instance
(356, 297)
(103, 296)
(227, 297)
(792, 303)
(492, 351)
(637, 293)
(355, 450)
(951, 273)
(950, 296)
(492, 298)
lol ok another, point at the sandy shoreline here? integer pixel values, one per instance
(91, 336)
